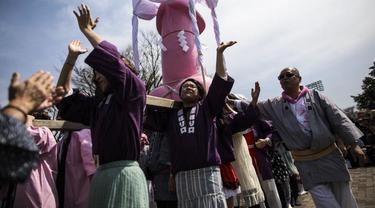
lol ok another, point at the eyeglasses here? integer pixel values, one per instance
(286, 75)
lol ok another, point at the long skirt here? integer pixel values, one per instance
(119, 184)
(243, 166)
(200, 188)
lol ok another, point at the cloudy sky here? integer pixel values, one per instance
(328, 40)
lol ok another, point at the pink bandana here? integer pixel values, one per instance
(304, 90)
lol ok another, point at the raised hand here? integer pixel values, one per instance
(15, 86)
(32, 93)
(58, 94)
(93, 23)
(221, 69)
(87, 25)
(75, 48)
(221, 48)
(255, 94)
(84, 19)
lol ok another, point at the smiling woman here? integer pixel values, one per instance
(191, 91)
(192, 135)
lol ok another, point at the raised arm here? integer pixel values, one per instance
(87, 25)
(221, 69)
(32, 94)
(255, 94)
(221, 83)
(75, 49)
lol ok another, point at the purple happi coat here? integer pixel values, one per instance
(193, 138)
(116, 122)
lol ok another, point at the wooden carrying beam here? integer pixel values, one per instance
(59, 125)
(162, 102)
(73, 126)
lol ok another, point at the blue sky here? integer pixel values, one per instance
(328, 40)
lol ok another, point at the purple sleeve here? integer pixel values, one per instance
(107, 60)
(219, 89)
(245, 120)
(77, 108)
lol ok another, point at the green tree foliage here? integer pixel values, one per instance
(366, 100)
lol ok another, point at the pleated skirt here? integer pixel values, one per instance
(119, 184)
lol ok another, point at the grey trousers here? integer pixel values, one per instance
(333, 195)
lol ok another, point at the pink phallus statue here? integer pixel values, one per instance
(179, 49)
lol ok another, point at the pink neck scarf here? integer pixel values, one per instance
(303, 92)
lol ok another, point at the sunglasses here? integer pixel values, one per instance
(286, 75)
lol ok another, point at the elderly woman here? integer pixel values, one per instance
(193, 138)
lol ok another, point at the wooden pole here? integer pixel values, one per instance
(73, 126)
(59, 125)
(162, 102)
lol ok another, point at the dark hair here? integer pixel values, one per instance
(129, 64)
(201, 91)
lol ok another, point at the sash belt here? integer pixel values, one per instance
(306, 155)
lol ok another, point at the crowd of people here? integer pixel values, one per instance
(216, 150)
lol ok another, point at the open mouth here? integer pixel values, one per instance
(189, 91)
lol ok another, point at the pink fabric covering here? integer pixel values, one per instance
(79, 166)
(40, 189)
(301, 94)
(145, 9)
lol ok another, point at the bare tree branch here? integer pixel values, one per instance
(150, 66)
